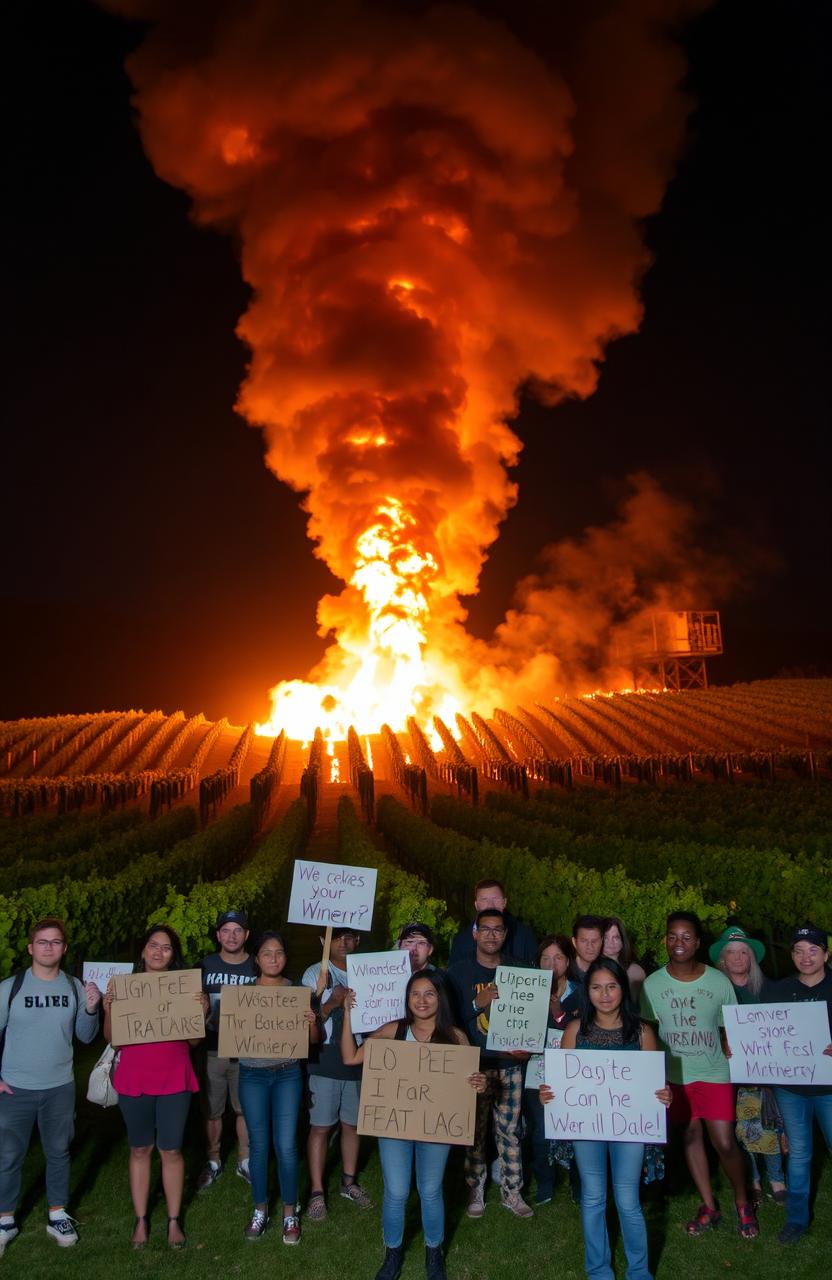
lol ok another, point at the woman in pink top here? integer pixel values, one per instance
(155, 1083)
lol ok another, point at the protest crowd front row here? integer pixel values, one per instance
(520, 1052)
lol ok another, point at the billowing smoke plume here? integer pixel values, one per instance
(431, 213)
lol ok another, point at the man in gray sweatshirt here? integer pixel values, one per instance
(41, 1011)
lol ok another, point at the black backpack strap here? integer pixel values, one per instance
(16, 985)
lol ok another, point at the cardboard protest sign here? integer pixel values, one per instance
(101, 971)
(608, 1097)
(418, 1091)
(779, 1043)
(517, 1019)
(153, 1007)
(325, 893)
(379, 979)
(263, 1022)
(536, 1064)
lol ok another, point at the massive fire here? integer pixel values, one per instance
(432, 214)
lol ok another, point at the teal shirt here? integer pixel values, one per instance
(689, 1016)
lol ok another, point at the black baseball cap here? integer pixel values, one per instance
(232, 917)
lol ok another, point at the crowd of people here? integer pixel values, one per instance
(601, 999)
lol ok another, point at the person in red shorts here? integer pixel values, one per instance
(684, 1000)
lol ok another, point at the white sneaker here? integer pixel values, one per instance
(60, 1228)
(8, 1231)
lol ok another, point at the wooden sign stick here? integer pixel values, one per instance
(327, 945)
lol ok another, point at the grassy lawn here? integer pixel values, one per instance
(348, 1243)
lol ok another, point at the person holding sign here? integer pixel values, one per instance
(685, 999)
(610, 1020)
(475, 989)
(556, 954)
(333, 1085)
(270, 1093)
(801, 1104)
(42, 1010)
(155, 1082)
(427, 1020)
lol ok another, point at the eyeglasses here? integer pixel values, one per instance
(491, 931)
(48, 942)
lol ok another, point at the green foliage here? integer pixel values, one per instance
(549, 894)
(400, 896)
(769, 891)
(110, 855)
(255, 889)
(104, 914)
(46, 836)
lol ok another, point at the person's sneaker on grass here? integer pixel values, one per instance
(316, 1209)
(514, 1202)
(352, 1191)
(60, 1228)
(291, 1229)
(476, 1200)
(543, 1194)
(8, 1231)
(208, 1175)
(791, 1233)
(257, 1225)
(243, 1171)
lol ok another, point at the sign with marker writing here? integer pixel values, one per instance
(779, 1043)
(325, 893)
(263, 1022)
(536, 1065)
(418, 1091)
(605, 1096)
(154, 1007)
(379, 979)
(101, 971)
(517, 1018)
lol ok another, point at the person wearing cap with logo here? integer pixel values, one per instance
(230, 964)
(759, 1123)
(802, 1104)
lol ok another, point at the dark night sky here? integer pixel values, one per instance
(152, 560)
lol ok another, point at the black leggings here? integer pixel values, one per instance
(156, 1118)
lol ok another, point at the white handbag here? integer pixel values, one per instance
(100, 1088)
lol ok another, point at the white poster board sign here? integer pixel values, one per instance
(326, 893)
(779, 1043)
(536, 1065)
(101, 971)
(378, 979)
(605, 1096)
(517, 1018)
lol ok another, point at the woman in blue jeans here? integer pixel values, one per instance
(427, 1019)
(270, 1094)
(801, 1105)
(610, 1020)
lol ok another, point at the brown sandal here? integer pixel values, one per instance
(705, 1220)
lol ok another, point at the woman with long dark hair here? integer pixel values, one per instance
(155, 1083)
(270, 1095)
(555, 953)
(428, 1020)
(610, 1020)
(617, 946)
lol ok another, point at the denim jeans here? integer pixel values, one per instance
(54, 1111)
(271, 1104)
(626, 1159)
(397, 1157)
(799, 1111)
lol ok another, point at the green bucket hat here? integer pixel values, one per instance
(735, 934)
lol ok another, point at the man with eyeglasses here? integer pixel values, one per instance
(229, 965)
(473, 982)
(42, 1009)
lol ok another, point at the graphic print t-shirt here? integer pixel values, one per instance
(689, 1015)
(217, 973)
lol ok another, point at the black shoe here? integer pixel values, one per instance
(435, 1263)
(391, 1267)
(791, 1233)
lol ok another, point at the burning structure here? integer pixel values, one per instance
(432, 212)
